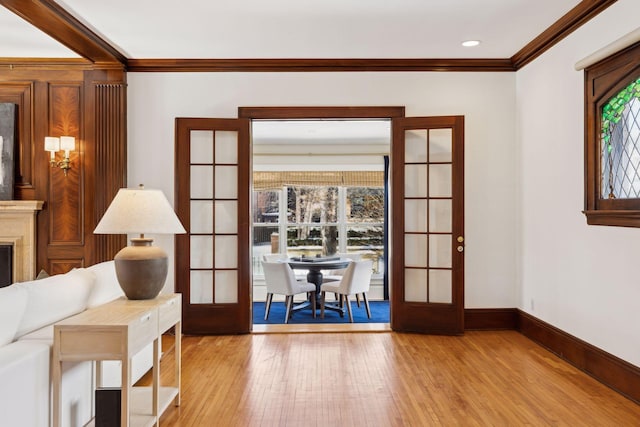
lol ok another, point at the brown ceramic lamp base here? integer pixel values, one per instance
(141, 269)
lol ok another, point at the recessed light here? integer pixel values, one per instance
(470, 43)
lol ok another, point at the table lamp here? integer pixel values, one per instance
(141, 268)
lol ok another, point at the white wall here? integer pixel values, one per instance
(487, 100)
(582, 279)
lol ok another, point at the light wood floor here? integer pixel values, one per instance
(386, 379)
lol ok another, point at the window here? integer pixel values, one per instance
(612, 143)
(319, 220)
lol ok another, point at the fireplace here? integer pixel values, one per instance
(6, 264)
(18, 230)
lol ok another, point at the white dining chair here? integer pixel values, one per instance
(337, 275)
(274, 257)
(279, 279)
(355, 281)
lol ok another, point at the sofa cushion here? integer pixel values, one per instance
(13, 302)
(55, 298)
(106, 287)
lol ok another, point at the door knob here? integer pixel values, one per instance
(460, 248)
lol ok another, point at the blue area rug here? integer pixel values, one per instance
(379, 314)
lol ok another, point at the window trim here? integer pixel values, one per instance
(603, 80)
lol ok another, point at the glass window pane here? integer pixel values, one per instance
(226, 182)
(620, 147)
(312, 204)
(201, 216)
(440, 250)
(365, 237)
(226, 147)
(266, 240)
(440, 216)
(440, 145)
(226, 217)
(226, 252)
(415, 180)
(201, 252)
(365, 204)
(440, 286)
(415, 146)
(440, 181)
(415, 216)
(226, 287)
(312, 240)
(415, 285)
(201, 287)
(266, 206)
(201, 182)
(415, 250)
(201, 146)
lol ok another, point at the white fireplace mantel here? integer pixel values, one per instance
(18, 227)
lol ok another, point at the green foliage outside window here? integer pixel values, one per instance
(612, 110)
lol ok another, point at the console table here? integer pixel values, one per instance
(117, 331)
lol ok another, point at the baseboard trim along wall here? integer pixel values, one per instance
(478, 319)
(610, 370)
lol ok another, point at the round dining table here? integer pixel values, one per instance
(314, 266)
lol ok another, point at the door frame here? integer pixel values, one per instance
(245, 115)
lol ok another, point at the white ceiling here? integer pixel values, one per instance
(322, 132)
(296, 28)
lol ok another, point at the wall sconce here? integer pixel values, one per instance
(54, 144)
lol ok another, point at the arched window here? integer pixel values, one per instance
(612, 141)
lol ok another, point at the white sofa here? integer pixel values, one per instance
(28, 311)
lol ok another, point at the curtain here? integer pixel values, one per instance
(275, 180)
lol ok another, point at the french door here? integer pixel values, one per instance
(428, 224)
(213, 181)
(213, 269)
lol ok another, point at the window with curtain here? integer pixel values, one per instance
(612, 142)
(341, 213)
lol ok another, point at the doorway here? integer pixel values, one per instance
(320, 189)
(213, 186)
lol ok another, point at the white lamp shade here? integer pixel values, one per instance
(139, 211)
(51, 143)
(67, 143)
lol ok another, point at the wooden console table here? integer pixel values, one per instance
(117, 331)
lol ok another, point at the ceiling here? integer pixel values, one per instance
(145, 29)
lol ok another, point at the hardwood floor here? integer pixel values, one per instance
(386, 379)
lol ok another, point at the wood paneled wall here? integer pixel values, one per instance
(90, 105)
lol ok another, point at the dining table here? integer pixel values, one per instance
(314, 267)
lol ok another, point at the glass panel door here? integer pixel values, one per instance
(212, 190)
(428, 226)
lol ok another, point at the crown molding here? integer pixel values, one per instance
(306, 65)
(15, 64)
(59, 24)
(571, 21)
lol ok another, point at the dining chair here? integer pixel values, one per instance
(274, 257)
(279, 279)
(355, 281)
(337, 275)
